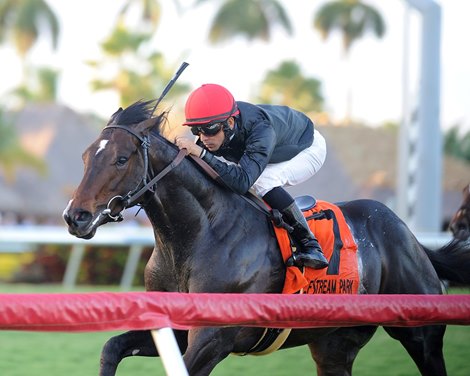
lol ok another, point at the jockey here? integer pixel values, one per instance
(268, 147)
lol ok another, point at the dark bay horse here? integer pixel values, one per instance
(209, 239)
(460, 222)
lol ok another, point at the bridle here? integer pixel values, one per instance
(133, 195)
(145, 184)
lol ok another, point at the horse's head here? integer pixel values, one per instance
(460, 223)
(116, 165)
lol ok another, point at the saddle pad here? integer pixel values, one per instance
(341, 277)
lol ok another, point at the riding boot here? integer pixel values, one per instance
(309, 252)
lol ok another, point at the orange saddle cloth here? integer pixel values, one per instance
(330, 228)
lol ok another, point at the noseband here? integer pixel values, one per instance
(144, 185)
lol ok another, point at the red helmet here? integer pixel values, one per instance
(209, 103)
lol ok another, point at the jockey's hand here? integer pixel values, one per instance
(189, 145)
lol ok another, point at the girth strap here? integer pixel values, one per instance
(271, 340)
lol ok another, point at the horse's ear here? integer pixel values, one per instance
(466, 192)
(146, 125)
(113, 116)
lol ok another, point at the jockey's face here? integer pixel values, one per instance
(213, 143)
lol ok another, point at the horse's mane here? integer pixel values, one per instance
(143, 110)
(136, 113)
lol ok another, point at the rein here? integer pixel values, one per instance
(249, 197)
(133, 195)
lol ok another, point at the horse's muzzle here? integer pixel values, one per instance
(79, 223)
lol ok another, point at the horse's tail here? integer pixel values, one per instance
(452, 261)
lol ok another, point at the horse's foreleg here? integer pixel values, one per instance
(207, 347)
(133, 343)
(335, 353)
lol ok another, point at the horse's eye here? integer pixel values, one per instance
(121, 161)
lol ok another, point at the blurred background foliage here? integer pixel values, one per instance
(134, 69)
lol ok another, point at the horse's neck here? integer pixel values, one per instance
(185, 205)
(207, 238)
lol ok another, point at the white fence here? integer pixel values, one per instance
(15, 239)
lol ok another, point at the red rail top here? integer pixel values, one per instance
(104, 311)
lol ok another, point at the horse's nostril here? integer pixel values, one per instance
(82, 216)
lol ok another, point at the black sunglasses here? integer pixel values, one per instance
(207, 129)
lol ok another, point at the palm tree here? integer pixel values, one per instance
(23, 21)
(150, 13)
(41, 86)
(253, 19)
(353, 18)
(287, 85)
(139, 73)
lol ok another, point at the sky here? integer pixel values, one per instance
(374, 70)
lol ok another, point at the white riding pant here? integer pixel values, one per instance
(294, 171)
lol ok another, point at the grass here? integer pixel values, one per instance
(74, 354)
